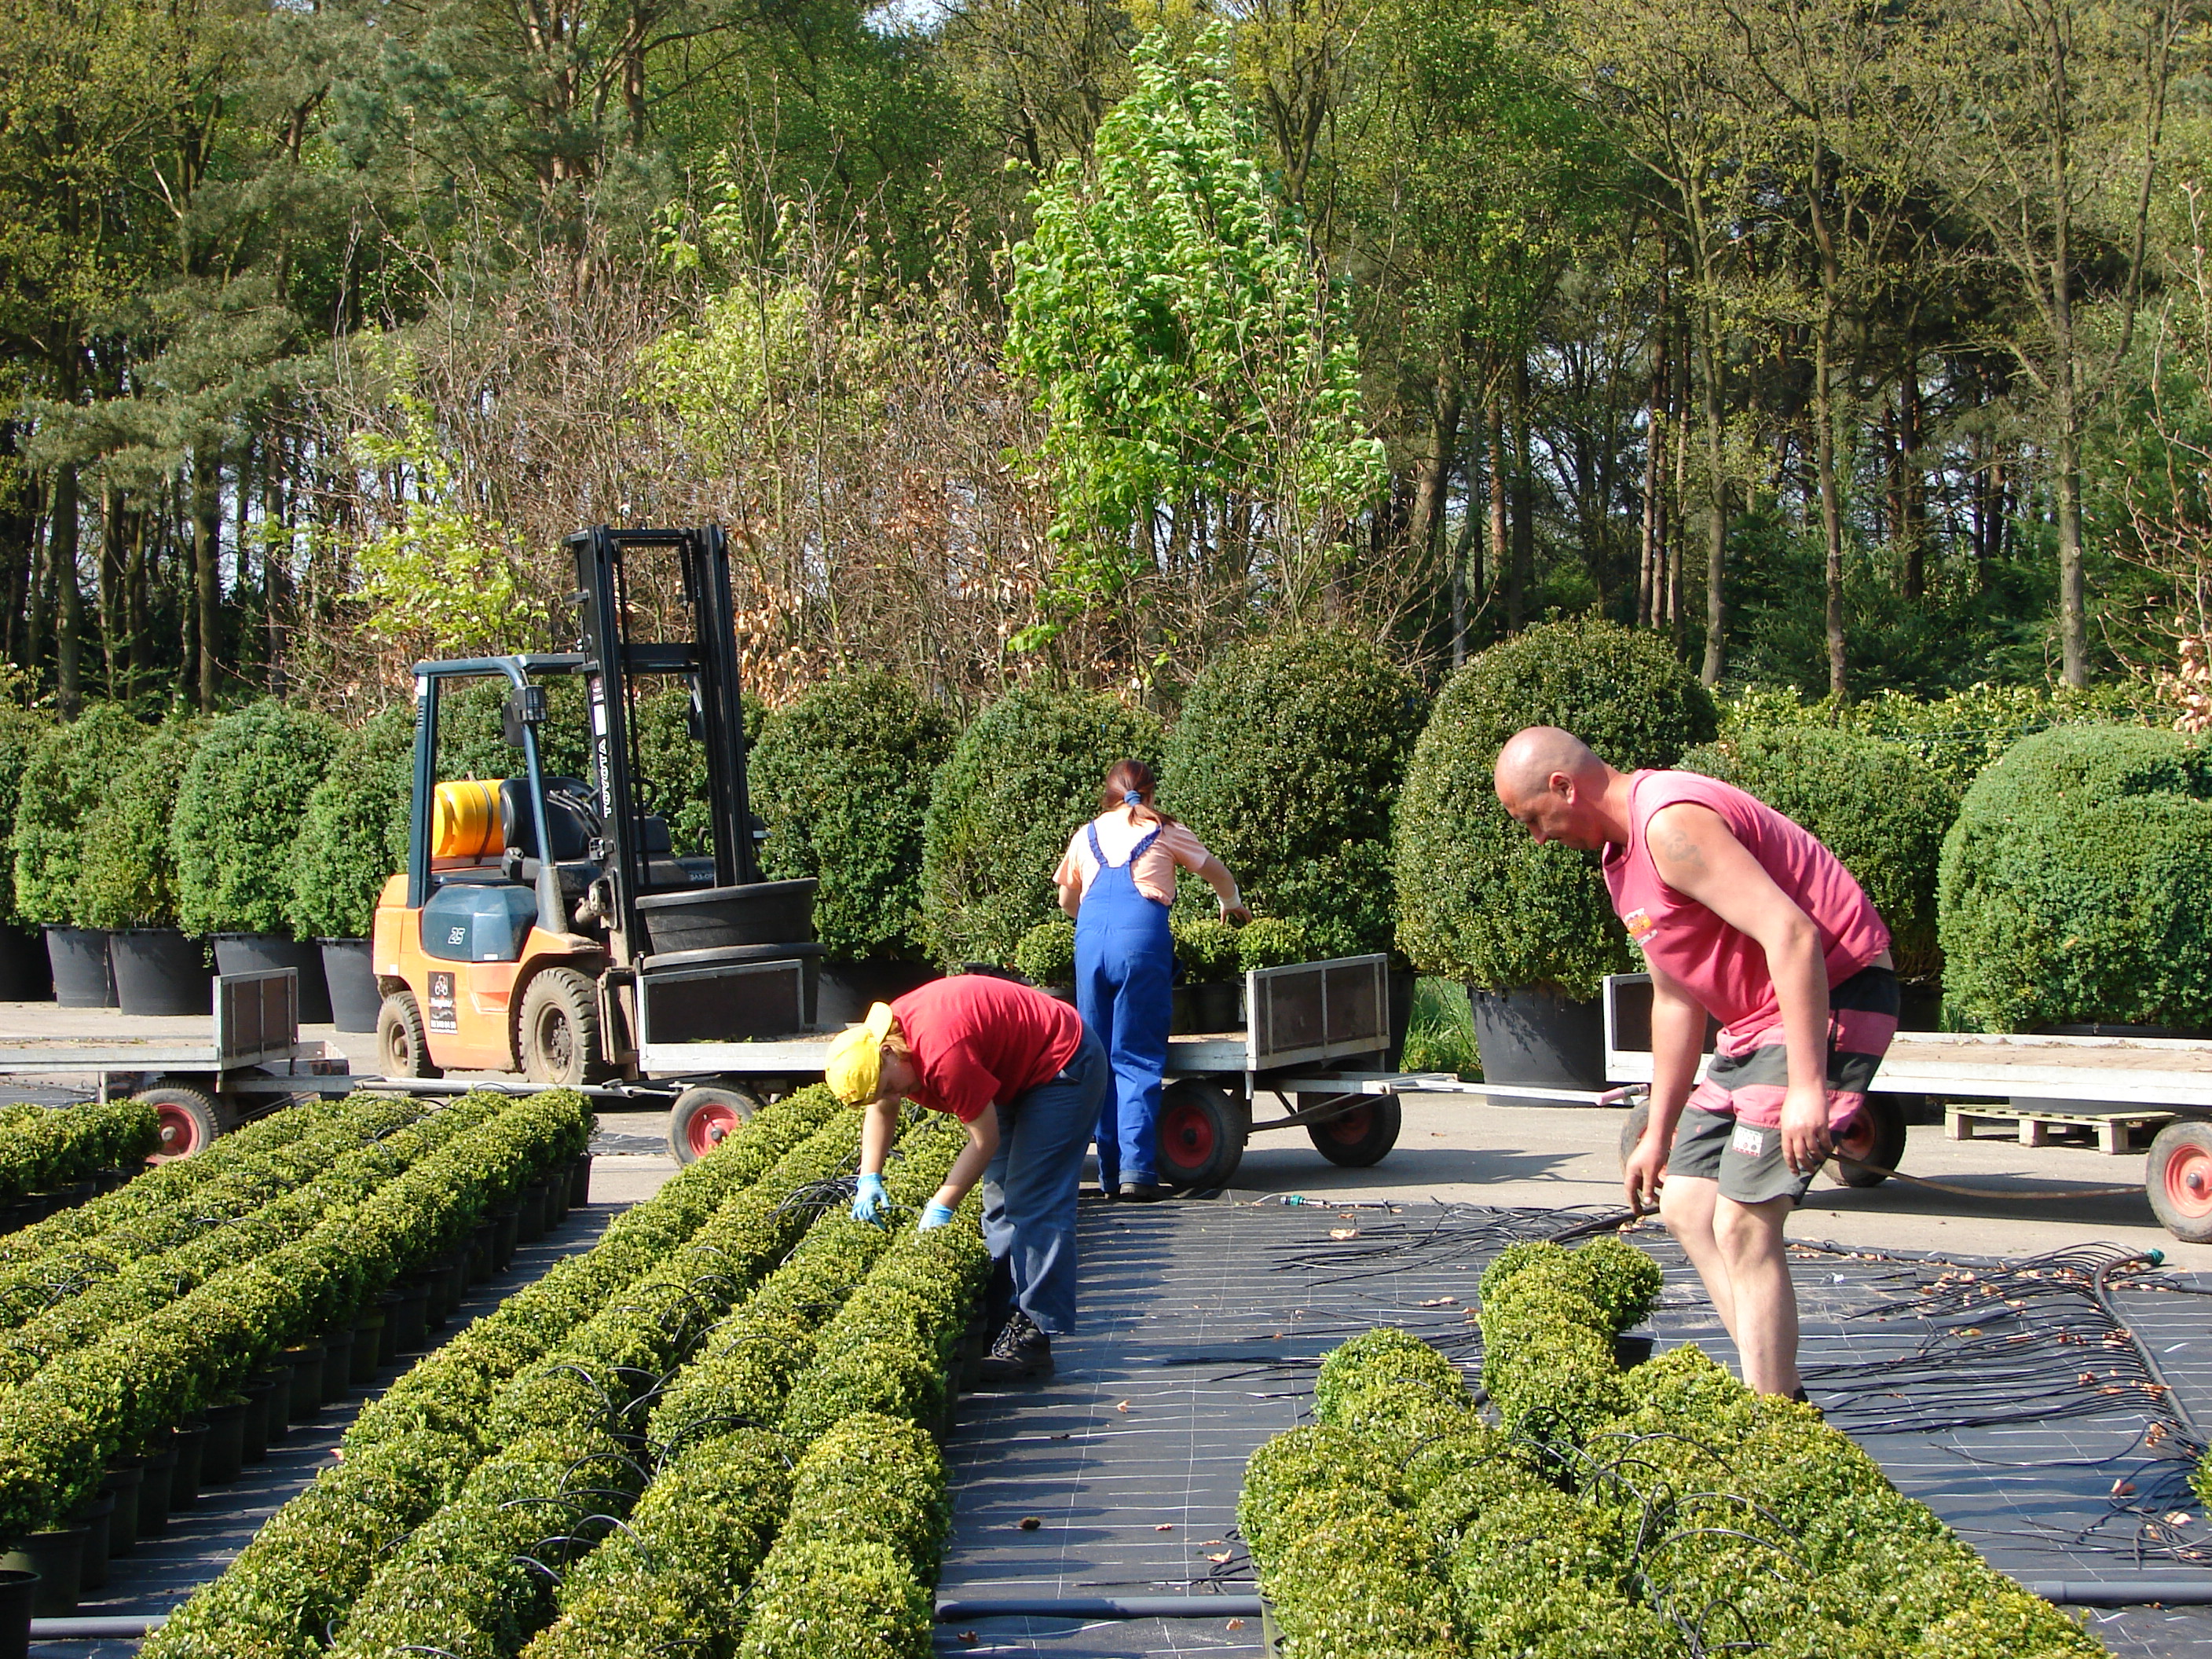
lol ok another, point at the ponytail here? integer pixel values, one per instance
(1129, 783)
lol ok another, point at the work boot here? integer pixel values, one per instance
(1145, 1192)
(1020, 1352)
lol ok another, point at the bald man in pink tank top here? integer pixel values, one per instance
(1742, 913)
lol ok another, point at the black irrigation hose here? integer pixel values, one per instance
(1098, 1607)
(2168, 1394)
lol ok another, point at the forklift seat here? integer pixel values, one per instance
(568, 821)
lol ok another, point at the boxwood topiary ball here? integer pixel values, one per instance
(129, 875)
(65, 779)
(2072, 886)
(238, 813)
(1478, 900)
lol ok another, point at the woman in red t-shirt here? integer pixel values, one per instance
(1025, 1076)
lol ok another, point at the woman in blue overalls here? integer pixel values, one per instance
(1117, 881)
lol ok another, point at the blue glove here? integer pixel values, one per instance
(932, 1215)
(870, 1201)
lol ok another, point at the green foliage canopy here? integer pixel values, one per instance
(1478, 900)
(1872, 803)
(129, 875)
(238, 812)
(842, 777)
(2072, 886)
(354, 834)
(20, 731)
(1287, 763)
(1023, 777)
(66, 778)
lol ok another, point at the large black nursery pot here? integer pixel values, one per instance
(354, 998)
(18, 1592)
(253, 953)
(78, 956)
(847, 988)
(25, 974)
(1539, 1038)
(57, 1558)
(159, 971)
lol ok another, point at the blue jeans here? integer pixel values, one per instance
(1029, 1188)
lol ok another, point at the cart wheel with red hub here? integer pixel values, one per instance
(1202, 1130)
(187, 1118)
(2178, 1175)
(1873, 1144)
(1361, 1136)
(702, 1119)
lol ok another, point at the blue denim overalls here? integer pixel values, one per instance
(1124, 977)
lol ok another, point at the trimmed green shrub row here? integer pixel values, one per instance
(52, 1149)
(353, 835)
(21, 731)
(466, 1581)
(721, 1477)
(141, 1287)
(237, 813)
(128, 876)
(162, 1188)
(58, 1429)
(32, 1282)
(2072, 887)
(1549, 1316)
(1693, 1514)
(408, 1453)
(68, 774)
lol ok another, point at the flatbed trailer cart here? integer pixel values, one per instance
(2104, 1091)
(252, 1062)
(1319, 1038)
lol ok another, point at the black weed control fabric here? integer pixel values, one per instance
(2011, 1398)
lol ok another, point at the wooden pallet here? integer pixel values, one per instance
(2113, 1128)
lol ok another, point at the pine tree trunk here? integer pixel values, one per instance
(68, 593)
(207, 570)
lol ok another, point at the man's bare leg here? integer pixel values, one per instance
(1685, 1205)
(1751, 1245)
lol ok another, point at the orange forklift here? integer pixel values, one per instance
(543, 924)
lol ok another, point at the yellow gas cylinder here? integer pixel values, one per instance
(465, 820)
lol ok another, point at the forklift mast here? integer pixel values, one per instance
(709, 659)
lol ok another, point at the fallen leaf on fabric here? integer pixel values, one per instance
(1031, 1523)
(2123, 1489)
(1441, 1302)
(2179, 1518)
(1224, 1556)
(1123, 1406)
(969, 1638)
(1237, 1624)
(1164, 1526)
(1344, 1232)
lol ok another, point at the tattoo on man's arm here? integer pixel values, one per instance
(1676, 847)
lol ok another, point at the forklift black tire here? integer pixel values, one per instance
(2178, 1179)
(187, 1117)
(561, 1044)
(1363, 1136)
(1873, 1144)
(402, 1048)
(1202, 1130)
(1633, 1131)
(702, 1118)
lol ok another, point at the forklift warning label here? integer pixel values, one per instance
(442, 1004)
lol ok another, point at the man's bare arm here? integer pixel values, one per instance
(1678, 1038)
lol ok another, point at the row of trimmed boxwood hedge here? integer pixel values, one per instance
(43, 1149)
(128, 1378)
(1661, 1510)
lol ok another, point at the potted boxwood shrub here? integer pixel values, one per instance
(1286, 762)
(238, 814)
(1023, 778)
(68, 774)
(2072, 887)
(842, 778)
(671, 768)
(1530, 928)
(353, 837)
(127, 883)
(1046, 958)
(1875, 805)
(25, 976)
(1206, 957)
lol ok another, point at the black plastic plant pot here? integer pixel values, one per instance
(847, 988)
(307, 1392)
(337, 1365)
(253, 1441)
(256, 953)
(224, 1457)
(58, 1559)
(531, 1223)
(190, 1448)
(156, 1480)
(78, 956)
(405, 1328)
(354, 998)
(503, 1240)
(480, 1239)
(1540, 1039)
(25, 975)
(96, 1518)
(19, 1595)
(367, 1349)
(159, 971)
(126, 1480)
(579, 1181)
(707, 918)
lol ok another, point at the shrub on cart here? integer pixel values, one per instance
(672, 763)
(842, 778)
(1875, 805)
(1287, 762)
(1023, 777)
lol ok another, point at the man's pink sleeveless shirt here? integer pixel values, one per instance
(1723, 967)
